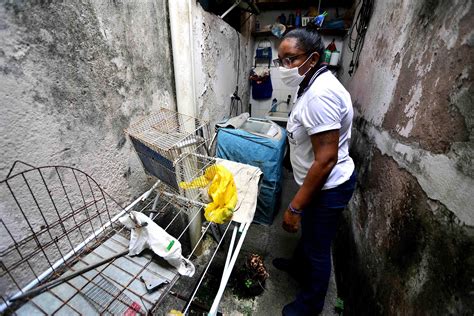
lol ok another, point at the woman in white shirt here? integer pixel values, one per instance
(319, 132)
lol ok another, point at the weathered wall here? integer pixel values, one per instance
(221, 55)
(407, 245)
(74, 74)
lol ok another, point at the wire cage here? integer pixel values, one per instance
(56, 220)
(174, 148)
(168, 144)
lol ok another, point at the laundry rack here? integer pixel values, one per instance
(60, 220)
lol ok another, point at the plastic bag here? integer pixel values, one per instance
(222, 191)
(157, 239)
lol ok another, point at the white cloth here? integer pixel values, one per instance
(246, 179)
(325, 105)
(236, 121)
(158, 240)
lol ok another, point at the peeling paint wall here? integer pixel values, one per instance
(223, 59)
(407, 243)
(73, 75)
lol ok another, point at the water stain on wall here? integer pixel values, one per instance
(421, 108)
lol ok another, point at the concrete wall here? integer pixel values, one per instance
(73, 76)
(406, 246)
(223, 58)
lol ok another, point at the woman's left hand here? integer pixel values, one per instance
(291, 221)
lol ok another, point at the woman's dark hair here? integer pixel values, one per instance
(307, 39)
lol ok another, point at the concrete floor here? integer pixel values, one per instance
(271, 242)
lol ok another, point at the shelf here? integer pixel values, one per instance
(328, 32)
(266, 5)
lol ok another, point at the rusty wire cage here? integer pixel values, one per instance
(56, 220)
(174, 148)
(168, 143)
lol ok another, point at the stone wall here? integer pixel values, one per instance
(406, 245)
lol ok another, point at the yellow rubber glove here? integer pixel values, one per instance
(222, 191)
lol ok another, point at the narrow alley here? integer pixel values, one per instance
(236, 157)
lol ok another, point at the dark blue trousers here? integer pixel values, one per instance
(313, 253)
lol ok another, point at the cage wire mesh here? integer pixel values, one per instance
(173, 147)
(51, 211)
(107, 298)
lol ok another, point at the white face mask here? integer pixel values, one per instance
(291, 77)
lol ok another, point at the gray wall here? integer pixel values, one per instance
(406, 243)
(72, 77)
(220, 54)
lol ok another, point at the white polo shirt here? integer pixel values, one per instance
(325, 105)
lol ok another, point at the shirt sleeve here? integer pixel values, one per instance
(322, 113)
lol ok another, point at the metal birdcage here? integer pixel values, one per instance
(173, 147)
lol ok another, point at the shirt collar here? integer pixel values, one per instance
(321, 70)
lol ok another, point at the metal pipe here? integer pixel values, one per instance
(230, 9)
(231, 247)
(67, 277)
(227, 271)
(181, 198)
(182, 42)
(196, 288)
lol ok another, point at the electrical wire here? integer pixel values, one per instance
(238, 58)
(360, 26)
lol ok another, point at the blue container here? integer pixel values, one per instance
(260, 151)
(155, 164)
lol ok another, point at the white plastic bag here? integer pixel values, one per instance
(157, 239)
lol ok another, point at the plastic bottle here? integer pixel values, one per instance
(274, 105)
(291, 19)
(298, 18)
(283, 19)
(335, 58)
(326, 57)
